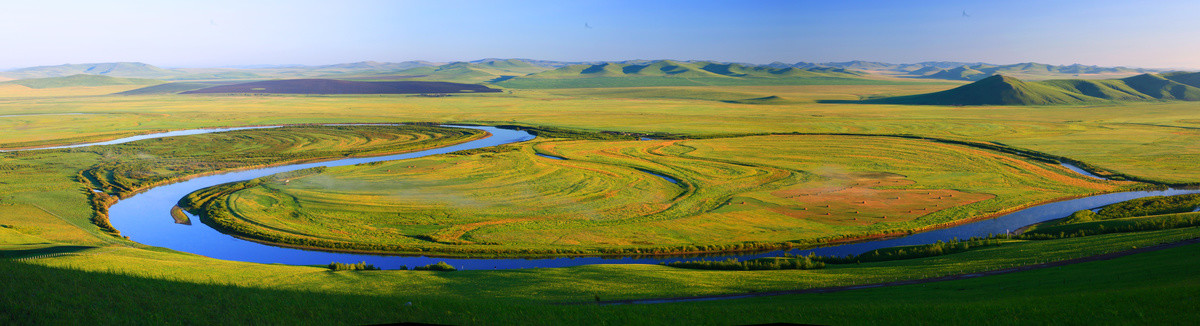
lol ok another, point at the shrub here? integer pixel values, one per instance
(360, 266)
(910, 252)
(441, 266)
(750, 265)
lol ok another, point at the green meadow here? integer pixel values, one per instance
(804, 165)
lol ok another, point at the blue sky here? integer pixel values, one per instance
(224, 33)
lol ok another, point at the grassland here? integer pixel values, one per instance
(125, 168)
(45, 212)
(41, 190)
(1151, 140)
(733, 193)
(81, 80)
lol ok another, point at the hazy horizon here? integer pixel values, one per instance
(281, 65)
(230, 33)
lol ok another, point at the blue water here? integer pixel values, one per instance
(145, 218)
(672, 180)
(1082, 171)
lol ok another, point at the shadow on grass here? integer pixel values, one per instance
(843, 102)
(26, 253)
(37, 295)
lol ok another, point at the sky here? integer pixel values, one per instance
(214, 33)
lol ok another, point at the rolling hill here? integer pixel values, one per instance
(1028, 70)
(80, 80)
(959, 73)
(332, 86)
(972, 71)
(1183, 77)
(1004, 90)
(994, 90)
(467, 72)
(114, 69)
(676, 73)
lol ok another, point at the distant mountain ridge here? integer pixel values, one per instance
(113, 69)
(972, 71)
(333, 86)
(498, 69)
(1004, 90)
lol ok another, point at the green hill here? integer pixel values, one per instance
(1003, 90)
(1028, 70)
(466, 72)
(80, 80)
(960, 73)
(1103, 89)
(676, 73)
(994, 90)
(1162, 88)
(515, 66)
(925, 71)
(1187, 78)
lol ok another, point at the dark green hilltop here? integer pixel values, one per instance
(1004, 90)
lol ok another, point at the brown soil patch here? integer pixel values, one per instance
(860, 201)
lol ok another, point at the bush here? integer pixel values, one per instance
(441, 266)
(1156, 205)
(1150, 223)
(751, 265)
(360, 266)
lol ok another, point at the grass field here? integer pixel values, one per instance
(103, 279)
(45, 213)
(764, 189)
(1150, 140)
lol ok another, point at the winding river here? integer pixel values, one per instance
(146, 218)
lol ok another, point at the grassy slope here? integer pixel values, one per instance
(251, 292)
(1186, 78)
(995, 90)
